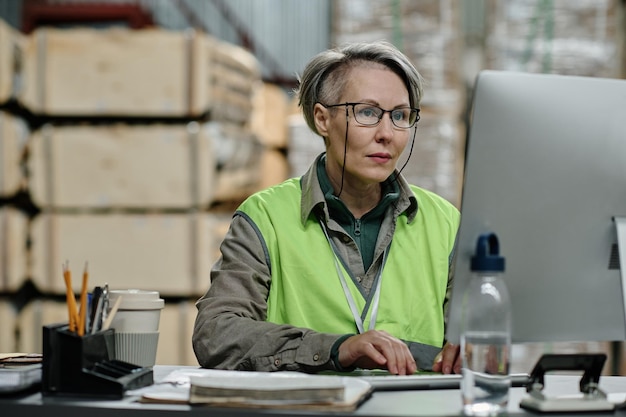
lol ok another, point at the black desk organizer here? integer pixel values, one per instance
(86, 366)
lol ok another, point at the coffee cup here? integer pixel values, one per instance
(136, 325)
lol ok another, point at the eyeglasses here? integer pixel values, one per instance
(370, 115)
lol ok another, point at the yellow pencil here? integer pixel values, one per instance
(83, 303)
(71, 300)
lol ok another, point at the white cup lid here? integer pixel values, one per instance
(137, 299)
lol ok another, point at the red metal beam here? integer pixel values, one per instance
(37, 13)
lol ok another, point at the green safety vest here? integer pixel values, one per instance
(306, 291)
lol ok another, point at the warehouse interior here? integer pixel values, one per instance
(131, 130)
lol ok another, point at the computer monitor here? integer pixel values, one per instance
(545, 171)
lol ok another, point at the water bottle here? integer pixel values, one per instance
(486, 333)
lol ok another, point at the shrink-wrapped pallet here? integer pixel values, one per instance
(167, 252)
(562, 37)
(12, 44)
(13, 249)
(239, 155)
(14, 134)
(118, 72)
(158, 166)
(304, 145)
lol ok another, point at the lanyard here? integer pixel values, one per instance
(358, 318)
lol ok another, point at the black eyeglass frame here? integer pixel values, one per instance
(353, 104)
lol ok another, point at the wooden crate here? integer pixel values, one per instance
(176, 329)
(32, 318)
(235, 77)
(269, 117)
(118, 72)
(13, 249)
(169, 253)
(274, 168)
(128, 166)
(12, 45)
(14, 134)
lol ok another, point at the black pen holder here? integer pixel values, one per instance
(76, 365)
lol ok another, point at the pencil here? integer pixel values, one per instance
(116, 305)
(83, 303)
(71, 300)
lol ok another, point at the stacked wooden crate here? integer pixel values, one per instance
(14, 134)
(135, 142)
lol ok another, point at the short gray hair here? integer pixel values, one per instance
(324, 77)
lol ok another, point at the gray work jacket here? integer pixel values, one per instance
(231, 331)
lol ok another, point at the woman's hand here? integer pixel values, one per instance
(377, 349)
(448, 361)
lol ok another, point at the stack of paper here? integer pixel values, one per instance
(19, 371)
(285, 390)
(265, 388)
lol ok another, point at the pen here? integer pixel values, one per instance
(105, 303)
(96, 306)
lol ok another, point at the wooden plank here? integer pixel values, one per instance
(122, 166)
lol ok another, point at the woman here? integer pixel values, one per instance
(347, 266)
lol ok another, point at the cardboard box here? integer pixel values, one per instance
(13, 249)
(118, 72)
(14, 134)
(122, 166)
(12, 44)
(169, 253)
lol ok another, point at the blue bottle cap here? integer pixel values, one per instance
(487, 256)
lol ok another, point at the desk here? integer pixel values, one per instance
(388, 403)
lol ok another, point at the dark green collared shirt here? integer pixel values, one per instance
(364, 231)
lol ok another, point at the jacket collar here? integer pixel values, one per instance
(313, 196)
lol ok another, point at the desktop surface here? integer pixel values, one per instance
(442, 402)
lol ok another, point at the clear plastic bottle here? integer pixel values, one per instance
(486, 333)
